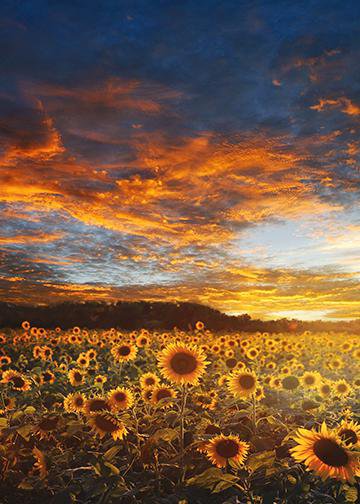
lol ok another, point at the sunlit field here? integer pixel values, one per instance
(106, 416)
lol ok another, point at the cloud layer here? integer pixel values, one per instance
(189, 151)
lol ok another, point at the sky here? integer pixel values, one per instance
(192, 150)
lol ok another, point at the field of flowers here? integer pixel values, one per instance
(103, 416)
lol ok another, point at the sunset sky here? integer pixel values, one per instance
(194, 150)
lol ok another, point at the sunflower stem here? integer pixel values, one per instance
(182, 430)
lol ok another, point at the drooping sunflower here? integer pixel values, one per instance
(205, 401)
(95, 404)
(17, 380)
(182, 364)
(324, 453)
(76, 377)
(164, 394)
(349, 433)
(242, 384)
(103, 423)
(221, 449)
(120, 399)
(40, 462)
(124, 352)
(74, 402)
(149, 380)
(7, 403)
(47, 425)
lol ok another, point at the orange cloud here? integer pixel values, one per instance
(346, 106)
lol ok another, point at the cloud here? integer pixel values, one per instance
(344, 104)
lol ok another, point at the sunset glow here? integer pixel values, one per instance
(167, 152)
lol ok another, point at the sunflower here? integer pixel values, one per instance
(146, 395)
(16, 379)
(76, 377)
(7, 403)
(96, 404)
(342, 388)
(103, 423)
(40, 462)
(182, 364)
(124, 352)
(199, 325)
(349, 433)
(149, 380)
(325, 389)
(99, 380)
(242, 384)
(74, 402)
(164, 394)
(120, 399)
(205, 401)
(290, 382)
(47, 425)
(323, 452)
(142, 340)
(222, 449)
(311, 380)
(47, 377)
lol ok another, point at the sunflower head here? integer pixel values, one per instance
(324, 453)
(124, 352)
(222, 449)
(242, 384)
(149, 380)
(120, 399)
(103, 423)
(163, 395)
(182, 364)
(349, 433)
(95, 404)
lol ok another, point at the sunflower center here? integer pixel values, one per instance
(150, 381)
(342, 388)
(330, 453)
(163, 394)
(47, 376)
(246, 382)
(105, 424)
(231, 363)
(120, 396)
(348, 436)
(227, 448)
(18, 381)
(98, 405)
(325, 389)
(78, 376)
(124, 350)
(183, 363)
(79, 401)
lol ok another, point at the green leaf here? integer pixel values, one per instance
(167, 435)
(29, 410)
(213, 479)
(3, 423)
(111, 453)
(350, 493)
(25, 431)
(261, 459)
(112, 468)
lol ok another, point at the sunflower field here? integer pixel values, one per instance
(104, 416)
